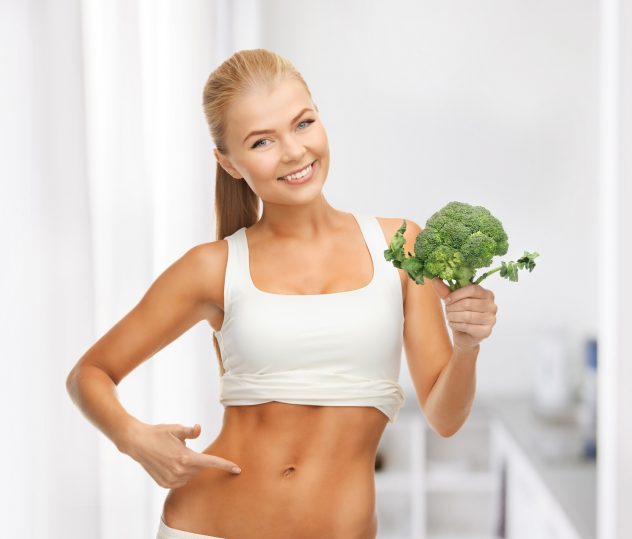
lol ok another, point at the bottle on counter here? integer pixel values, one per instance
(552, 391)
(587, 416)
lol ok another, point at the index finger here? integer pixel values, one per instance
(211, 461)
(469, 291)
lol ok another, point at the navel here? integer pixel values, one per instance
(288, 471)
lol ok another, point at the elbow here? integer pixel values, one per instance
(71, 381)
(446, 431)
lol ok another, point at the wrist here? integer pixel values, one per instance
(127, 435)
(466, 351)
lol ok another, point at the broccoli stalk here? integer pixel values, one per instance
(509, 270)
(457, 240)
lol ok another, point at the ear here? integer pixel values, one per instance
(226, 165)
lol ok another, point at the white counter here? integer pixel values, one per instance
(553, 452)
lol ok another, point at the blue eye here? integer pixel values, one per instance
(256, 144)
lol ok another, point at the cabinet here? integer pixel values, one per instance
(399, 481)
(531, 510)
(490, 480)
(423, 473)
(461, 489)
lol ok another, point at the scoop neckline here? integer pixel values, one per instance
(327, 294)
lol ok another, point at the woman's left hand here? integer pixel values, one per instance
(471, 313)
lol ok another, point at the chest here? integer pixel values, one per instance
(318, 269)
(332, 267)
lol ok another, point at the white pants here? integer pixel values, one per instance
(165, 532)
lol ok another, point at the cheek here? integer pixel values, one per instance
(320, 143)
(264, 166)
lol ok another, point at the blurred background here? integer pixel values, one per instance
(107, 177)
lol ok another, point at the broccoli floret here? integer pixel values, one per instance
(457, 240)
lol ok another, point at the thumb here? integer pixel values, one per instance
(440, 287)
(192, 432)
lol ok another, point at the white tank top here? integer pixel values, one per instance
(336, 349)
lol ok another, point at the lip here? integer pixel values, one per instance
(305, 179)
(298, 169)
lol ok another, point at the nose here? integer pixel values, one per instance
(293, 150)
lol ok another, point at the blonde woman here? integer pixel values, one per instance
(308, 322)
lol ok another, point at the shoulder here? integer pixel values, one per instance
(390, 225)
(205, 265)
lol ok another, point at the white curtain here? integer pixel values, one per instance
(107, 173)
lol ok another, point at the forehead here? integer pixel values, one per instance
(267, 108)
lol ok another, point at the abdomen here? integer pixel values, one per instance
(307, 473)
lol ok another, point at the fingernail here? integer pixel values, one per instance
(235, 469)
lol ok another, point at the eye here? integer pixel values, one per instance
(307, 121)
(256, 144)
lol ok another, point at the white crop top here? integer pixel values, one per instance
(336, 349)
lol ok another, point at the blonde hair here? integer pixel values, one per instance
(236, 204)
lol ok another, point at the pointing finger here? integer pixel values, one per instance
(211, 461)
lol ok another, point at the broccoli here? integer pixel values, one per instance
(457, 240)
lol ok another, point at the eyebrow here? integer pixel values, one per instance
(262, 131)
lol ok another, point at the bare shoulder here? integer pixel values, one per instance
(390, 225)
(207, 262)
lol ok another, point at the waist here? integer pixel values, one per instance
(300, 464)
(296, 433)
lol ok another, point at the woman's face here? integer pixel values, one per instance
(295, 138)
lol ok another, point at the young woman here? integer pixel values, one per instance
(309, 321)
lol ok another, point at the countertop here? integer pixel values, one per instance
(554, 448)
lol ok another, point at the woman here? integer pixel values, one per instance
(309, 320)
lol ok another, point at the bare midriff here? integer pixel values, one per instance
(307, 473)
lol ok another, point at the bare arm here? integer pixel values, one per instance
(94, 393)
(184, 294)
(444, 377)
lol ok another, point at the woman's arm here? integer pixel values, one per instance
(94, 393)
(185, 293)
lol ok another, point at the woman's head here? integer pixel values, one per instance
(257, 90)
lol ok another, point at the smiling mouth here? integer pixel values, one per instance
(309, 164)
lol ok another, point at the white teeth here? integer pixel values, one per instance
(300, 174)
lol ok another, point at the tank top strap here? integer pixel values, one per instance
(375, 240)
(235, 278)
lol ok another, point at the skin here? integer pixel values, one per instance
(306, 471)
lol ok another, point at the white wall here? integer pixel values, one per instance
(491, 102)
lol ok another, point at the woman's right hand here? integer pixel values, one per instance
(162, 451)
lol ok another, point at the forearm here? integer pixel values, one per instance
(450, 400)
(94, 393)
